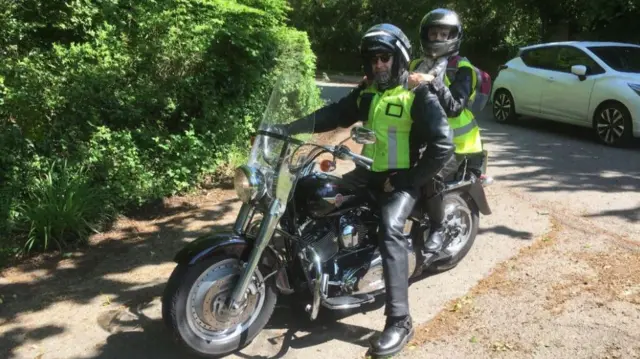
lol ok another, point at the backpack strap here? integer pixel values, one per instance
(453, 61)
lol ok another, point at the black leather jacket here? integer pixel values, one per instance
(430, 130)
(455, 97)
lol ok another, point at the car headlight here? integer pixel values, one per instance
(248, 183)
(634, 87)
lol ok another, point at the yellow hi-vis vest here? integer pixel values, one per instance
(389, 116)
(466, 133)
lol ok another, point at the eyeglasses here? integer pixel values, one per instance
(382, 57)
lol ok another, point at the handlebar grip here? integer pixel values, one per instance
(366, 160)
(344, 152)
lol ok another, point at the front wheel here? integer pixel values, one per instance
(194, 310)
(612, 125)
(462, 219)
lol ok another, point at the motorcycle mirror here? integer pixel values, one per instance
(363, 135)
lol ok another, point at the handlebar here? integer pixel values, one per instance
(343, 152)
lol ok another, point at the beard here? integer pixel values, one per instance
(383, 78)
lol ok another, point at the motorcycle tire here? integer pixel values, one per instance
(450, 263)
(174, 312)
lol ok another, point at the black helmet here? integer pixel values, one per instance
(387, 38)
(441, 17)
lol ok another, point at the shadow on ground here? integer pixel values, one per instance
(547, 153)
(545, 157)
(82, 276)
(146, 337)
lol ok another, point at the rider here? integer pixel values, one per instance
(405, 123)
(440, 37)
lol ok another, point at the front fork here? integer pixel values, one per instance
(267, 227)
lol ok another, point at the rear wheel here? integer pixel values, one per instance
(504, 109)
(193, 307)
(462, 219)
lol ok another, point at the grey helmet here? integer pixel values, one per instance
(441, 17)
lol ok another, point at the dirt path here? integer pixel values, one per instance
(563, 208)
(104, 302)
(573, 294)
(576, 292)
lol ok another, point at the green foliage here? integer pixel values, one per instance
(493, 29)
(62, 207)
(141, 99)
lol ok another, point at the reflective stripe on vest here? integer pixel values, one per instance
(389, 116)
(465, 128)
(466, 133)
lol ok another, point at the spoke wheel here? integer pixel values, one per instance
(503, 106)
(613, 125)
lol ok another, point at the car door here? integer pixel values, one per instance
(533, 79)
(566, 97)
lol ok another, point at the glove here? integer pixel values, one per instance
(436, 85)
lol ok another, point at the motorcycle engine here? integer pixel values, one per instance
(327, 238)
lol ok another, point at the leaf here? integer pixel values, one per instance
(106, 302)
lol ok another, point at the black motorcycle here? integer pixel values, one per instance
(298, 229)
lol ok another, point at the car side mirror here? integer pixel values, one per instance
(363, 135)
(580, 71)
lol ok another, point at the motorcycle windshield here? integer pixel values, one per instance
(272, 153)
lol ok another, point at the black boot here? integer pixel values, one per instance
(435, 240)
(433, 245)
(396, 334)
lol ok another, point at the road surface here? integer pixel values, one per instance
(104, 303)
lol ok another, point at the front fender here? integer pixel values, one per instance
(229, 244)
(234, 246)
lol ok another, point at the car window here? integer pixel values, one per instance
(620, 58)
(569, 56)
(542, 58)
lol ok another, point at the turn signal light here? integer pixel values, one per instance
(327, 166)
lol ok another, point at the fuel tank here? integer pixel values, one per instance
(320, 195)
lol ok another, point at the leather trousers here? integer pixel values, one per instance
(433, 190)
(395, 207)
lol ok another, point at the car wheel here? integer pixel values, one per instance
(504, 109)
(612, 124)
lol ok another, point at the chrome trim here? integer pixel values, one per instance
(456, 185)
(319, 285)
(348, 306)
(256, 182)
(267, 227)
(244, 216)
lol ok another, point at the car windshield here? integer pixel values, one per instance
(619, 58)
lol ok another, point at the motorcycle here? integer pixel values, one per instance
(298, 230)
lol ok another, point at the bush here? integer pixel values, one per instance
(141, 99)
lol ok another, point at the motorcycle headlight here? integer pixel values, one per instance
(248, 183)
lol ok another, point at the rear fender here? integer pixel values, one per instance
(476, 192)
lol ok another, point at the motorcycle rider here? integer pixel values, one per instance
(405, 122)
(440, 36)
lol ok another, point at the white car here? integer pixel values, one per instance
(589, 84)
